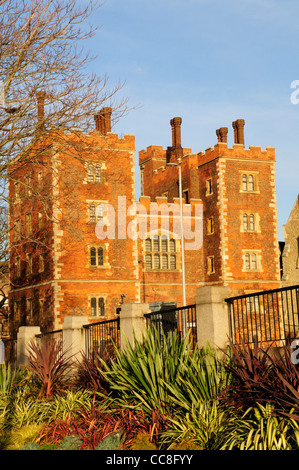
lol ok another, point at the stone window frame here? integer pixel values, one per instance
(17, 267)
(28, 223)
(17, 194)
(211, 264)
(209, 186)
(157, 249)
(210, 226)
(256, 221)
(255, 181)
(94, 299)
(29, 308)
(29, 264)
(41, 263)
(94, 172)
(252, 261)
(96, 247)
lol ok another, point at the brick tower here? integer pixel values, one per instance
(236, 186)
(58, 265)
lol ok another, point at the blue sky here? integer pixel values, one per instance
(209, 62)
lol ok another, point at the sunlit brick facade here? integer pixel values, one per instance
(60, 265)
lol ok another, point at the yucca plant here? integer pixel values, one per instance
(140, 374)
(260, 429)
(49, 366)
(205, 379)
(205, 426)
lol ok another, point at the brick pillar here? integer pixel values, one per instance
(132, 321)
(26, 335)
(74, 335)
(212, 316)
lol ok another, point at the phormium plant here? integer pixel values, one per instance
(49, 366)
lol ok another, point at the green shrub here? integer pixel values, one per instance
(162, 373)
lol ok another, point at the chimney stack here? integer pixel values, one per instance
(103, 120)
(222, 134)
(176, 132)
(238, 126)
(40, 96)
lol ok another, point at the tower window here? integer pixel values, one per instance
(94, 173)
(210, 264)
(251, 261)
(249, 182)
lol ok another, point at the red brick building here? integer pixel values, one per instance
(75, 241)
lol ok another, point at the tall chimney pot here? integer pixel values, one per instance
(176, 132)
(40, 96)
(238, 126)
(103, 120)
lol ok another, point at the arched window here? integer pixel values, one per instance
(97, 256)
(247, 261)
(245, 222)
(250, 183)
(251, 223)
(172, 245)
(148, 262)
(93, 256)
(100, 256)
(156, 243)
(156, 261)
(253, 261)
(172, 262)
(148, 244)
(244, 182)
(164, 262)
(164, 243)
(98, 173)
(90, 173)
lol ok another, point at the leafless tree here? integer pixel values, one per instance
(45, 86)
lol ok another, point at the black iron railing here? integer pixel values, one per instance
(180, 319)
(265, 317)
(101, 336)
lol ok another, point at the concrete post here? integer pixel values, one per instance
(212, 316)
(132, 321)
(26, 335)
(74, 336)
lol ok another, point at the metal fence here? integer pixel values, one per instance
(268, 317)
(56, 335)
(180, 319)
(101, 336)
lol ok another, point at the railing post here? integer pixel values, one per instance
(212, 316)
(74, 335)
(26, 335)
(132, 321)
